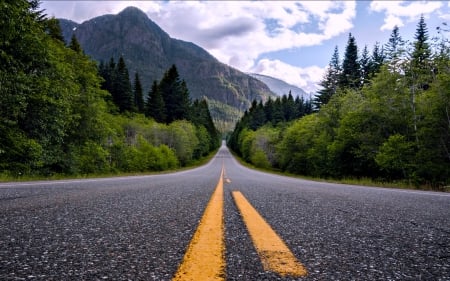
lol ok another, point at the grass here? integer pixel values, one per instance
(10, 178)
(351, 181)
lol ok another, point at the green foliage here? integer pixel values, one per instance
(138, 94)
(55, 115)
(350, 76)
(330, 82)
(155, 106)
(394, 156)
(175, 95)
(91, 158)
(396, 127)
(283, 109)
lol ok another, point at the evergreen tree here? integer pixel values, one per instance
(377, 59)
(365, 64)
(330, 82)
(268, 109)
(75, 45)
(422, 53)
(184, 103)
(395, 50)
(350, 75)
(155, 107)
(121, 92)
(277, 113)
(175, 95)
(289, 108)
(201, 116)
(138, 95)
(53, 28)
(258, 117)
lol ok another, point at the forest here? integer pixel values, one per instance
(63, 113)
(382, 115)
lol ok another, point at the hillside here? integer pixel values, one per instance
(150, 51)
(280, 87)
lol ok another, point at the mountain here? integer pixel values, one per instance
(150, 51)
(280, 87)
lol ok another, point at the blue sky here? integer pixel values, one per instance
(290, 40)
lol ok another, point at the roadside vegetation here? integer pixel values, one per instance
(62, 114)
(382, 117)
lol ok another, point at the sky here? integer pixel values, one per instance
(289, 40)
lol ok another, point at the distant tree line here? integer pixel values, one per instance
(383, 116)
(60, 112)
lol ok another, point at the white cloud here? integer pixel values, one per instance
(397, 12)
(306, 78)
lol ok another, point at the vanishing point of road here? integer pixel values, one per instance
(221, 221)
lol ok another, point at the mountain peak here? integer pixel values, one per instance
(279, 86)
(133, 11)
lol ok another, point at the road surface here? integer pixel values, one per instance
(140, 228)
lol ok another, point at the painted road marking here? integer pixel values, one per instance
(204, 259)
(273, 252)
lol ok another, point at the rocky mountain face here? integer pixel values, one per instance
(280, 87)
(150, 51)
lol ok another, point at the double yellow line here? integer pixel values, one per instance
(205, 256)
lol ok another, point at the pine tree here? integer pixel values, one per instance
(350, 76)
(201, 116)
(53, 28)
(421, 55)
(184, 102)
(377, 59)
(138, 95)
(277, 113)
(330, 82)
(257, 115)
(395, 50)
(75, 45)
(176, 96)
(155, 107)
(122, 93)
(365, 63)
(268, 109)
(420, 71)
(289, 108)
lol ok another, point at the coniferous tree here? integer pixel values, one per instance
(258, 117)
(277, 113)
(268, 109)
(53, 28)
(289, 108)
(365, 63)
(184, 102)
(170, 88)
(419, 73)
(330, 82)
(395, 50)
(421, 56)
(201, 116)
(350, 75)
(121, 92)
(138, 95)
(422, 52)
(75, 45)
(377, 59)
(155, 107)
(176, 95)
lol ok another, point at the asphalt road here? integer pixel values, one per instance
(138, 228)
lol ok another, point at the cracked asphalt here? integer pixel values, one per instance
(138, 228)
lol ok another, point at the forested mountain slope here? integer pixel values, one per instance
(150, 51)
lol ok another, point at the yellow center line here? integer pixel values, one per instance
(273, 252)
(204, 258)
